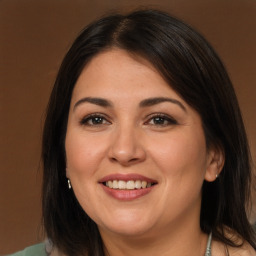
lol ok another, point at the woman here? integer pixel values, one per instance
(144, 147)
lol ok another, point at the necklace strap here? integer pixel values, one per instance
(208, 246)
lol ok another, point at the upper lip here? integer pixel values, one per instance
(126, 177)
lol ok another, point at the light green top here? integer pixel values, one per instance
(39, 249)
(35, 250)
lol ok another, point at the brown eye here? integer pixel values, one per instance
(96, 120)
(161, 120)
(92, 120)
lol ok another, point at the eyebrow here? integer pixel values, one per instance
(153, 101)
(145, 103)
(97, 101)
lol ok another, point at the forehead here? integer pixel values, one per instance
(115, 71)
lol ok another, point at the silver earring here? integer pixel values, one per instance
(69, 184)
(217, 175)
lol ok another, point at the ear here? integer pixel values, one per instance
(215, 163)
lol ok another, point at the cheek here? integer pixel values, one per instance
(83, 153)
(182, 160)
(83, 158)
(183, 154)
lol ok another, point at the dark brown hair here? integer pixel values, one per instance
(192, 68)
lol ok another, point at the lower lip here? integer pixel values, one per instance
(125, 194)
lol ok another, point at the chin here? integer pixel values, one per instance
(127, 230)
(128, 225)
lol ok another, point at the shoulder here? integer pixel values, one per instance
(245, 250)
(35, 250)
(220, 249)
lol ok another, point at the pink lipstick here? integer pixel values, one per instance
(127, 186)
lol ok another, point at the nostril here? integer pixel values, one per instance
(124, 161)
(133, 159)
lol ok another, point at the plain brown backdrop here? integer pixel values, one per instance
(35, 34)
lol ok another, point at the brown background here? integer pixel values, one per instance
(34, 37)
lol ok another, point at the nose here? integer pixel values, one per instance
(126, 147)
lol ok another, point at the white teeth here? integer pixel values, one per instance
(115, 184)
(109, 184)
(122, 184)
(130, 184)
(138, 184)
(144, 184)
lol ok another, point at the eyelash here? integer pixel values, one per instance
(91, 117)
(165, 120)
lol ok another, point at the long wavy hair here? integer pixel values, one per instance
(192, 68)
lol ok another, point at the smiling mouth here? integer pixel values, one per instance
(128, 185)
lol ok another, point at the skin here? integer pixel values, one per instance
(130, 138)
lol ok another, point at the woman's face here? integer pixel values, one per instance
(136, 152)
